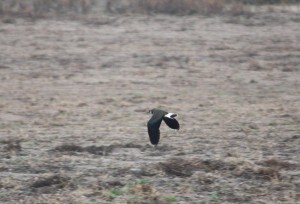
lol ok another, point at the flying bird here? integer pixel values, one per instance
(155, 121)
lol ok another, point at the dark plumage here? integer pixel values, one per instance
(155, 121)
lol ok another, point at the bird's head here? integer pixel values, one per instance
(157, 111)
(150, 111)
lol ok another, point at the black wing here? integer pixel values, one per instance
(171, 122)
(153, 129)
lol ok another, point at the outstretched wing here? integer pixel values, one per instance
(153, 129)
(171, 121)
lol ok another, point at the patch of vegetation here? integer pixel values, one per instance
(115, 192)
(214, 197)
(135, 191)
(142, 181)
(2, 194)
(170, 198)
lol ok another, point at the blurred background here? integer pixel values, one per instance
(77, 78)
(43, 8)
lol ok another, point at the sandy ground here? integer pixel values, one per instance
(74, 97)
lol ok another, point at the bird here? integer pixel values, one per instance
(155, 121)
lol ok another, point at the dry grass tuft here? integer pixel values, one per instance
(238, 9)
(97, 150)
(269, 172)
(69, 148)
(101, 150)
(51, 184)
(12, 145)
(219, 165)
(58, 180)
(179, 167)
(144, 189)
(255, 172)
(184, 168)
(279, 164)
(255, 66)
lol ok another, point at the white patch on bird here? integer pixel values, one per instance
(171, 115)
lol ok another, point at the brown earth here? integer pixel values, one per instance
(74, 96)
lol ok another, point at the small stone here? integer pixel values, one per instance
(136, 171)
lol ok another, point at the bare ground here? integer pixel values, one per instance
(74, 96)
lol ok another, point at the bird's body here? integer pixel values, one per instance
(155, 121)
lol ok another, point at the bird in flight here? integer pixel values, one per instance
(155, 121)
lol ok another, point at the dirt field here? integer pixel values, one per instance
(74, 97)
